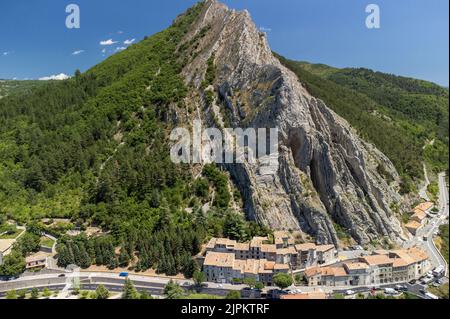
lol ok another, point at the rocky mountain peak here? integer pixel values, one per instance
(325, 175)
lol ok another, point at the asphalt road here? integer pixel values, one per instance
(432, 227)
(112, 281)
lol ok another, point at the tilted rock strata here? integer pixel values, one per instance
(326, 174)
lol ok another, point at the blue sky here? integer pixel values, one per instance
(412, 41)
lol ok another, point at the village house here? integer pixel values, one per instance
(424, 207)
(419, 216)
(224, 268)
(383, 267)
(37, 260)
(413, 226)
(359, 274)
(227, 259)
(284, 251)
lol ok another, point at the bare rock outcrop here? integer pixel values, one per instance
(325, 174)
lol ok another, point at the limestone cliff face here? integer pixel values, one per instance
(325, 174)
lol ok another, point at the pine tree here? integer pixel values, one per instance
(173, 291)
(189, 266)
(129, 292)
(85, 260)
(124, 258)
(101, 292)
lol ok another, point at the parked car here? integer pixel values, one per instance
(390, 291)
(61, 275)
(438, 271)
(350, 292)
(401, 288)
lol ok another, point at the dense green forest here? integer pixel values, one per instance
(406, 119)
(94, 148)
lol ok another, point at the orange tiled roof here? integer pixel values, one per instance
(400, 262)
(307, 246)
(376, 260)
(356, 266)
(326, 271)
(413, 225)
(420, 215)
(266, 248)
(425, 206)
(281, 267)
(219, 259)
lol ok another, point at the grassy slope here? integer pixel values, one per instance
(399, 115)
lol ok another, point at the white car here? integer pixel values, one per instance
(390, 291)
(427, 280)
(350, 292)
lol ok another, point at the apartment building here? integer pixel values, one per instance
(261, 258)
(358, 273)
(283, 251)
(225, 267)
(380, 267)
(383, 267)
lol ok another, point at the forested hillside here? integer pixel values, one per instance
(94, 148)
(8, 87)
(407, 119)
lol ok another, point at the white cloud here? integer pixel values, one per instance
(108, 42)
(128, 42)
(7, 53)
(58, 77)
(120, 49)
(119, 32)
(77, 52)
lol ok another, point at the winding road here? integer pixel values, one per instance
(432, 227)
